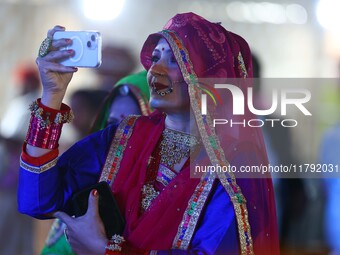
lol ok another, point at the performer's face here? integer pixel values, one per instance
(168, 90)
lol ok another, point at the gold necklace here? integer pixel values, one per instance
(175, 146)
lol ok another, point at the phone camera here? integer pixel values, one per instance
(92, 41)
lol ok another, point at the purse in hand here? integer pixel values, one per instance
(109, 212)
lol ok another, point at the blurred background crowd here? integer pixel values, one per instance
(297, 41)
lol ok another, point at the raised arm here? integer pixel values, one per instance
(55, 78)
(42, 188)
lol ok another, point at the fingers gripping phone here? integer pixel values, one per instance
(87, 46)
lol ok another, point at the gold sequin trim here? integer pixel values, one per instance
(193, 211)
(115, 156)
(38, 169)
(242, 66)
(239, 204)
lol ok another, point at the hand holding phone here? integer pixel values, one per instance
(87, 46)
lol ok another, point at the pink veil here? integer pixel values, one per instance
(208, 54)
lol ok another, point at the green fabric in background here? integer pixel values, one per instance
(56, 243)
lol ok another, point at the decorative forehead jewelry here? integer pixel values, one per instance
(175, 146)
(45, 47)
(162, 49)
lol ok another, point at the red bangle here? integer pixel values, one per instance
(48, 115)
(46, 124)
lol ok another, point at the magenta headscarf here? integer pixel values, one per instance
(207, 53)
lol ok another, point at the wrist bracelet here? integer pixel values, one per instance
(46, 124)
(114, 246)
(48, 115)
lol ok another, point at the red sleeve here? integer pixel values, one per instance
(38, 161)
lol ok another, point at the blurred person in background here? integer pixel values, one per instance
(85, 105)
(16, 230)
(117, 62)
(130, 95)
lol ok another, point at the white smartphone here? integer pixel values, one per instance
(87, 46)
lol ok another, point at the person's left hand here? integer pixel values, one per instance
(86, 234)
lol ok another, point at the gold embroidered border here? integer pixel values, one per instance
(242, 65)
(239, 204)
(38, 169)
(186, 229)
(195, 93)
(108, 168)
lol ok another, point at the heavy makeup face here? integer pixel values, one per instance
(168, 90)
